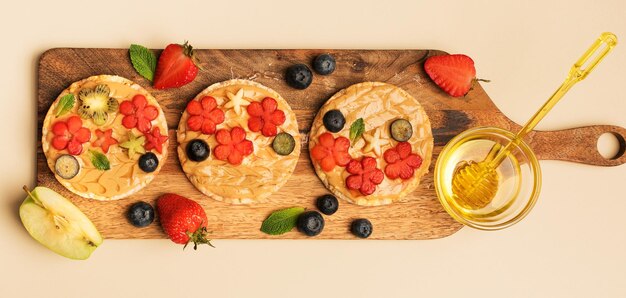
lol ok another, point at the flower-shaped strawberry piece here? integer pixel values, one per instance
(401, 161)
(70, 135)
(138, 113)
(104, 140)
(233, 146)
(364, 175)
(331, 152)
(205, 115)
(265, 116)
(155, 140)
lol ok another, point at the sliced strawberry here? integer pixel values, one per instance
(269, 104)
(139, 101)
(245, 147)
(74, 147)
(327, 163)
(223, 136)
(59, 128)
(176, 67)
(354, 182)
(278, 117)
(208, 103)
(319, 152)
(255, 124)
(82, 135)
(327, 140)
(129, 121)
(195, 123)
(404, 149)
(255, 109)
(269, 129)
(391, 156)
(354, 167)
(194, 107)
(235, 158)
(143, 124)
(367, 188)
(454, 74)
(74, 124)
(59, 142)
(150, 113)
(155, 140)
(414, 160)
(222, 152)
(127, 108)
(237, 135)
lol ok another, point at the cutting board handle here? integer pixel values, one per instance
(578, 145)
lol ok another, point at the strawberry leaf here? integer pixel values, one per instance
(356, 129)
(281, 221)
(100, 161)
(66, 103)
(144, 61)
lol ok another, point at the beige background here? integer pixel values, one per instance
(573, 244)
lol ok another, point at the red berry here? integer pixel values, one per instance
(452, 73)
(183, 220)
(176, 67)
(155, 140)
(137, 113)
(364, 175)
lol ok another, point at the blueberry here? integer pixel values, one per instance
(311, 223)
(361, 228)
(140, 214)
(324, 64)
(299, 76)
(334, 120)
(148, 162)
(327, 204)
(197, 150)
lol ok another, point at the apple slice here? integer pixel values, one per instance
(58, 224)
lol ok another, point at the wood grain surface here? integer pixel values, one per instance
(420, 217)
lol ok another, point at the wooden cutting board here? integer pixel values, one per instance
(420, 217)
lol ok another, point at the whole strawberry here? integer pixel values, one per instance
(183, 220)
(455, 74)
(177, 66)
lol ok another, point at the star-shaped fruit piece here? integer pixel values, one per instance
(134, 145)
(236, 101)
(104, 140)
(373, 142)
(330, 152)
(155, 140)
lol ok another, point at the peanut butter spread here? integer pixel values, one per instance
(262, 172)
(124, 177)
(379, 104)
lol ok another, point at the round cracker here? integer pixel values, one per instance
(124, 177)
(261, 173)
(379, 104)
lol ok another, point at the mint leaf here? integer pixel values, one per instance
(66, 103)
(356, 129)
(144, 61)
(100, 161)
(281, 221)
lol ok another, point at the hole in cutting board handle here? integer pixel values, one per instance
(611, 145)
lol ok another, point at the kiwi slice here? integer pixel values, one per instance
(66, 166)
(283, 143)
(96, 104)
(401, 130)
